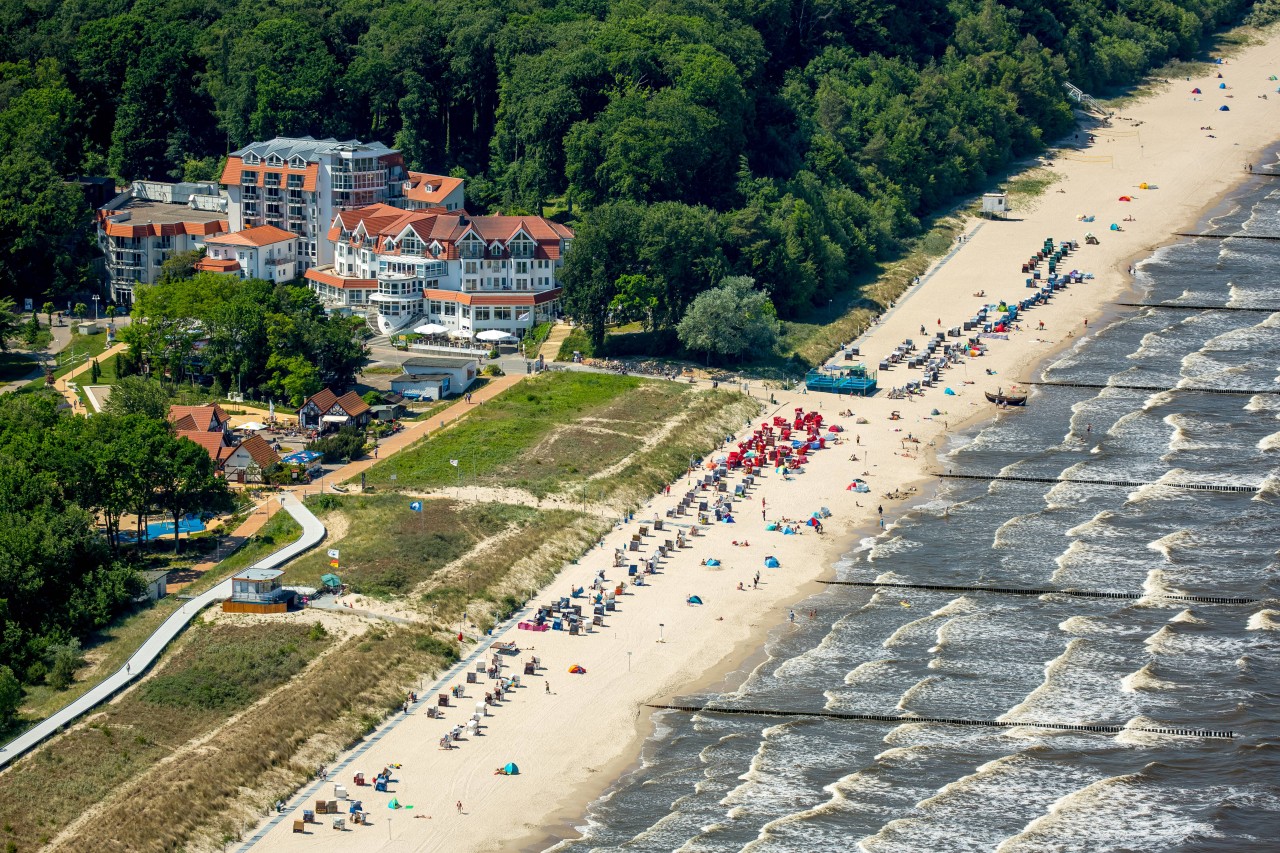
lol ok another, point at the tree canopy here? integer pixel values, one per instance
(793, 141)
(730, 320)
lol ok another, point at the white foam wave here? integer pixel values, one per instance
(1264, 620)
(1186, 617)
(1145, 679)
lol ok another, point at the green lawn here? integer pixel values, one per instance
(502, 441)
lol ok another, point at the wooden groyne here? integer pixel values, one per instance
(1074, 593)
(1103, 728)
(1127, 484)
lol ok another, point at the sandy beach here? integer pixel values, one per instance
(572, 735)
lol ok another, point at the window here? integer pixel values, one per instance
(248, 179)
(466, 312)
(469, 267)
(295, 182)
(451, 309)
(502, 312)
(522, 267)
(481, 312)
(435, 307)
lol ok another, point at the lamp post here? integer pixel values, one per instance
(95, 307)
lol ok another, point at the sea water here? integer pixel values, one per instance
(711, 782)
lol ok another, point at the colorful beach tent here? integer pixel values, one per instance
(1196, 91)
(511, 769)
(948, 392)
(1222, 85)
(1224, 109)
(771, 562)
(1115, 227)
(713, 562)
(693, 599)
(1125, 198)
(577, 670)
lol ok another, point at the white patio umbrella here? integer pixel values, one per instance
(252, 426)
(431, 329)
(495, 335)
(460, 333)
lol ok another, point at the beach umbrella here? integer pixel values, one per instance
(331, 580)
(750, 454)
(431, 329)
(460, 333)
(253, 426)
(495, 335)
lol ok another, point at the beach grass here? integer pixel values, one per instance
(497, 577)
(238, 753)
(388, 549)
(213, 670)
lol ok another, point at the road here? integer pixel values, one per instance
(312, 533)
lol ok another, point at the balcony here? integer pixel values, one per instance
(276, 262)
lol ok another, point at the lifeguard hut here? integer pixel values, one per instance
(995, 205)
(258, 591)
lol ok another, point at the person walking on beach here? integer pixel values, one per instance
(547, 684)
(459, 806)
(880, 509)
(793, 617)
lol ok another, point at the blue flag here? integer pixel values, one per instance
(416, 506)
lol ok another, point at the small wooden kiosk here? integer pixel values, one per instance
(258, 591)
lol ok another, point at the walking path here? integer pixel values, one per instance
(312, 533)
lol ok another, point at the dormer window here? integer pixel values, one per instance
(298, 163)
(252, 159)
(275, 160)
(436, 248)
(495, 249)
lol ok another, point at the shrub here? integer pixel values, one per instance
(443, 649)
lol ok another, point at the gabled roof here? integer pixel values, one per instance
(214, 443)
(259, 451)
(200, 416)
(352, 404)
(325, 275)
(324, 401)
(260, 235)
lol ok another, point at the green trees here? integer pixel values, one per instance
(730, 320)
(262, 337)
(8, 322)
(138, 395)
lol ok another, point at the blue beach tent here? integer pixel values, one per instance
(771, 562)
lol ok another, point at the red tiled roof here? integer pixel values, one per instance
(235, 167)
(259, 235)
(440, 187)
(505, 297)
(260, 451)
(213, 443)
(352, 404)
(324, 400)
(201, 416)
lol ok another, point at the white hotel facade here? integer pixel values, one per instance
(406, 268)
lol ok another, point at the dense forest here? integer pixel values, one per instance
(791, 141)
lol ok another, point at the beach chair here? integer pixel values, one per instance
(339, 823)
(644, 530)
(339, 791)
(300, 826)
(669, 545)
(657, 524)
(471, 678)
(308, 816)
(633, 545)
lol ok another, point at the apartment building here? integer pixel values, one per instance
(465, 273)
(299, 184)
(263, 251)
(150, 222)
